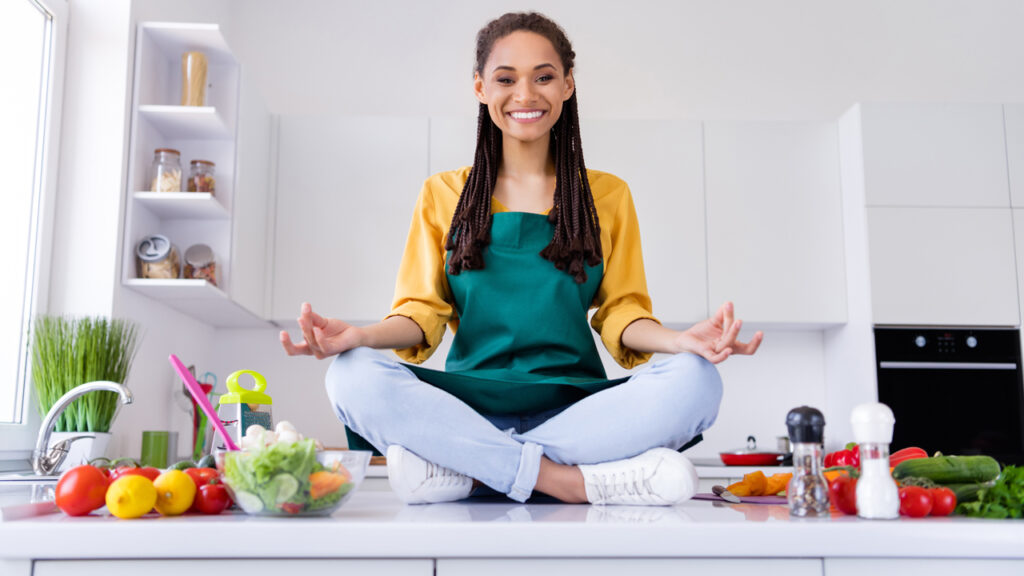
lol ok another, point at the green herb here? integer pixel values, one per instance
(1003, 500)
(68, 352)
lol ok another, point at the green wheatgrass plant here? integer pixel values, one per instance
(68, 352)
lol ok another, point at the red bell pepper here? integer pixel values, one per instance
(906, 454)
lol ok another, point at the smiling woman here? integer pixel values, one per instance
(34, 31)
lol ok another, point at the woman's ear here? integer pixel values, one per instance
(478, 88)
(570, 86)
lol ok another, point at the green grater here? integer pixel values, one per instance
(242, 407)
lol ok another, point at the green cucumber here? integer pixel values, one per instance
(183, 465)
(949, 469)
(206, 462)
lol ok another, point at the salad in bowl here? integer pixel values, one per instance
(281, 473)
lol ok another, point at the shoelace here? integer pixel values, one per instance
(633, 482)
(441, 476)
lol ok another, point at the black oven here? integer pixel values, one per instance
(953, 390)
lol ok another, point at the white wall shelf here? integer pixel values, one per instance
(196, 122)
(198, 299)
(232, 123)
(173, 205)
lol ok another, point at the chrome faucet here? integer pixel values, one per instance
(43, 463)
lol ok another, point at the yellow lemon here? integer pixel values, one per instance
(131, 496)
(175, 492)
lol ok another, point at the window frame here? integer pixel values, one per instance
(19, 438)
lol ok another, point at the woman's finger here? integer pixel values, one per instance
(752, 346)
(306, 325)
(729, 336)
(292, 349)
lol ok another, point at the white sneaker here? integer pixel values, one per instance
(658, 477)
(417, 481)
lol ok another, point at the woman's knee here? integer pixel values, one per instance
(694, 386)
(347, 378)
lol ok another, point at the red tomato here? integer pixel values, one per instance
(915, 501)
(943, 501)
(212, 499)
(291, 507)
(201, 477)
(148, 472)
(842, 492)
(81, 490)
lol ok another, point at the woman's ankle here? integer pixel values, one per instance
(561, 481)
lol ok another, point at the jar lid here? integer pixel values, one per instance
(805, 424)
(872, 422)
(199, 255)
(167, 151)
(207, 162)
(153, 248)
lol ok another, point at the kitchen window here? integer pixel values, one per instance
(32, 38)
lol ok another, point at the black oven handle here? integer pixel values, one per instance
(948, 365)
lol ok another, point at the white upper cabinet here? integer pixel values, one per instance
(1014, 117)
(774, 217)
(943, 266)
(345, 192)
(934, 155)
(662, 163)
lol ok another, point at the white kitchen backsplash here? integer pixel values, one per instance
(786, 372)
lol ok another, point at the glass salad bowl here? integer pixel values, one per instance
(292, 478)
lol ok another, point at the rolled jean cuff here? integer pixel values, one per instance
(529, 468)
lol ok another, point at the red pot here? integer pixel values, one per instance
(751, 456)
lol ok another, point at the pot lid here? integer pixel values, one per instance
(751, 448)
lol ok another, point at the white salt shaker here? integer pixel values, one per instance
(877, 496)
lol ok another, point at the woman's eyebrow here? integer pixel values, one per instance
(537, 67)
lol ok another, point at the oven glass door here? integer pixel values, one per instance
(955, 408)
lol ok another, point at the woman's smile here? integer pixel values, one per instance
(526, 116)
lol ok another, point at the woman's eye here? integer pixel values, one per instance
(505, 81)
(545, 78)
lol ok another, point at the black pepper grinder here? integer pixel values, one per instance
(808, 490)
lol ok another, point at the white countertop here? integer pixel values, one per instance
(374, 524)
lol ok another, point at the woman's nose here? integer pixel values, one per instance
(524, 92)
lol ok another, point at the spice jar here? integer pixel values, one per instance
(200, 176)
(807, 492)
(199, 263)
(157, 258)
(166, 170)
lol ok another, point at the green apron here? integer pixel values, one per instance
(524, 343)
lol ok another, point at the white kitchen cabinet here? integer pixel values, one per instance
(928, 154)
(620, 566)
(930, 566)
(774, 219)
(233, 131)
(662, 162)
(942, 266)
(265, 567)
(345, 192)
(1013, 115)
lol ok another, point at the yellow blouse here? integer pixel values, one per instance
(422, 293)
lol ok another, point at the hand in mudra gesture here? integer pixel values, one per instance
(322, 337)
(715, 338)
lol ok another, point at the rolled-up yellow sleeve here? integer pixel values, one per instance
(622, 297)
(421, 289)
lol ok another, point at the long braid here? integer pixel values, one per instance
(576, 241)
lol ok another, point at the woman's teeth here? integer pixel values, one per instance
(526, 115)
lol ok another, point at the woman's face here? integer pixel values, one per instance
(523, 85)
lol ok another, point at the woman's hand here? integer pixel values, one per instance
(715, 338)
(323, 337)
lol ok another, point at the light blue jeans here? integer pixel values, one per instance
(666, 404)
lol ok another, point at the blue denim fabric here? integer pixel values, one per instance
(664, 404)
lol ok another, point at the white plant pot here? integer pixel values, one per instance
(83, 450)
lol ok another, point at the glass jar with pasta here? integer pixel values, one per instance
(157, 258)
(166, 170)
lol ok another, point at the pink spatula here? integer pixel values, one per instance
(201, 400)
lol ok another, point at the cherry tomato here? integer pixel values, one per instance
(212, 499)
(943, 501)
(842, 493)
(148, 472)
(81, 490)
(201, 477)
(291, 507)
(915, 501)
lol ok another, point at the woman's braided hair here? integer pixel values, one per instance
(577, 237)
